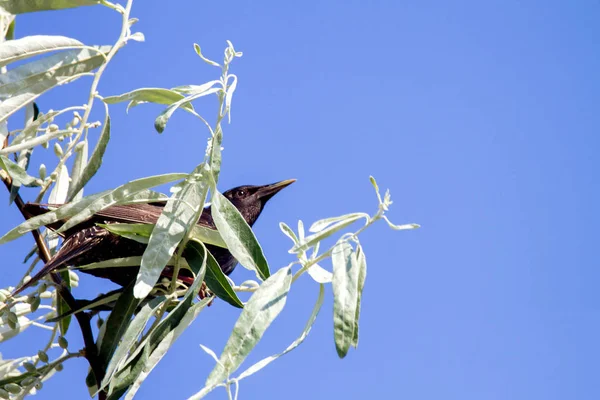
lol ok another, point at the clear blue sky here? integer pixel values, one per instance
(482, 119)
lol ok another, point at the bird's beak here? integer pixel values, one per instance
(268, 191)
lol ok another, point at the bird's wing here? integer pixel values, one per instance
(74, 246)
(142, 213)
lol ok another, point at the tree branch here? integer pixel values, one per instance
(83, 319)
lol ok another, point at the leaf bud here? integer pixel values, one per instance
(62, 342)
(58, 150)
(42, 171)
(42, 356)
(12, 388)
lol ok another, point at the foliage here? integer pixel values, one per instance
(148, 316)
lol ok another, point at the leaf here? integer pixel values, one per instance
(229, 96)
(288, 232)
(206, 60)
(138, 37)
(120, 194)
(262, 308)
(311, 240)
(166, 343)
(176, 219)
(266, 361)
(319, 274)
(345, 296)
(81, 161)
(149, 95)
(70, 209)
(102, 299)
(23, 84)
(116, 325)
(62, 307)
(161, 335)
(324, 223)
(218, 283)
(19, 175)
(203, 90)
(30, 131)
(30, 46)
(20, 7)
(63, 212)
(130, 336)
(361, 263)
(58, 195)
(24, 156)
(238, 235)
(95, 160)
(33, 142)
(401, 227)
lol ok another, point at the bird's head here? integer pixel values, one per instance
(250, 200)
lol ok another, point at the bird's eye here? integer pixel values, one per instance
(240, 193)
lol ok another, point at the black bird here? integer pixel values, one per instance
(87, 242)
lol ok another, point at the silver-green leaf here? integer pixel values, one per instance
(345, 296)
(260, 311)
(238, 235)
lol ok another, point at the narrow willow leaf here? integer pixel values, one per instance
(206, 60)
(33, 142)
(361, 263)
(324, 223)
(17, 173)
(401, 227)
(176, 220)
(166, 343)
(29, 46)
(162, 335)
(79, 164)
(149, 95)
(319, 274)
(266, 361)
(70, 209)
(21, 7)
(138, 37)
(30, 130)
(288, 232)
(126, 377)
(130, 336)
(203, 90)
(262, 308)
(186, 89)
(218, 283)
(113, 263)
(3, 134)
(103, 299)
(25, 83)
(229, 96)
(62, 307)
(120, 194)
(95, 161)
(31, 112)
(238, 235)
(345, 296)
(63, 212)
(313, 239)
(116, 324)
(215, 153)
(58, 195)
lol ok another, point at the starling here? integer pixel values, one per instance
(88, 243)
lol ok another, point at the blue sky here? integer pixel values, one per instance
(479, 117)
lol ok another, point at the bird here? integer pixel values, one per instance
(88, 242)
